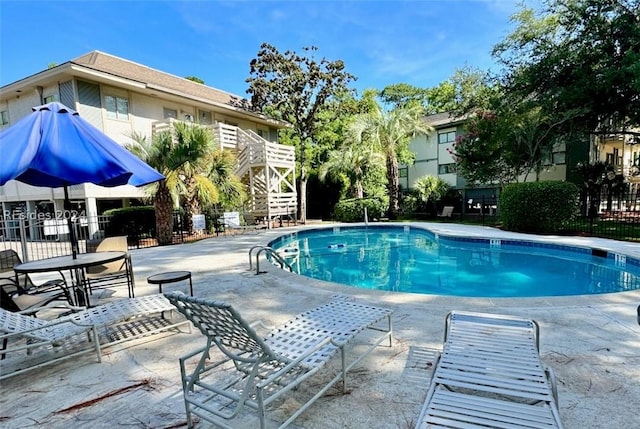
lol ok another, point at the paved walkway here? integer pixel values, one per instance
(592, 342)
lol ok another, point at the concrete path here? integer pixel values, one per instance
(592, 342)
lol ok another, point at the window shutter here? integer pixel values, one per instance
(90, 107)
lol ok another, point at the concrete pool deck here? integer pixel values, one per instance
(592, 342)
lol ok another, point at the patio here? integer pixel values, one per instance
(592, 343)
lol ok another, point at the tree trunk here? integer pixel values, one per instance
(192, 207)
(358, 190)
(393, 186)
(164, 214)
(191, 204)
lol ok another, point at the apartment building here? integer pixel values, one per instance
(121, 97)
(433, 156)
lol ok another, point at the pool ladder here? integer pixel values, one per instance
(270, 253)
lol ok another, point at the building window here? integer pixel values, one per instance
(117, 107)
(447, 137)
(559, 158)
(447, 168)
(555, 158)
(170, 113)
(49, 99)
(4, 117)
(403, 172)
(205, 117)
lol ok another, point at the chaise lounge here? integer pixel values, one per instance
(29, 343)
(251, 371)
(490, 375)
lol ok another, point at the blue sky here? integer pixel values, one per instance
(420, 42)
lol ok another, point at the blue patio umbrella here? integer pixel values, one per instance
(54, 147)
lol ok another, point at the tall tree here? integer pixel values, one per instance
(467, 90)
(480, 153)
(508, 143)
(195, 79)
(581, 56)
(403, 94)
(333, 121)
(157, 153)
(390, 132)
(295, 88)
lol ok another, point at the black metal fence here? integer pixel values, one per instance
(609, 214)
(43, 236)
(616, 225)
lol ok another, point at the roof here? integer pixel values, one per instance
(146, 77)
(439, 120)
(111, 64)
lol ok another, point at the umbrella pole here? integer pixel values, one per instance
(72, 232)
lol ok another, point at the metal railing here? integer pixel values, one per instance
(43, 236)
(609, 214)
(269, 253)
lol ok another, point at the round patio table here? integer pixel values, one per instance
(170, 277)
(75, 266)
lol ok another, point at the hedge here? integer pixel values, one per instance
(538, 207)
(131, 221)
(352, 210)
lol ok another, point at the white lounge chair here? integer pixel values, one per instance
(29, 343)
(231, 222)
(265, 368)
(490, 375)
(447, 211)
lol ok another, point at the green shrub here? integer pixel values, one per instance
(352, 210)
(431, 188)
(410, 203)
(131, 221)
(538, 207)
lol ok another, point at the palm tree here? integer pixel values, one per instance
(178, 154)
(431, 188)
(195, 188)
(352, 163)
(220, 166)
(390, 132)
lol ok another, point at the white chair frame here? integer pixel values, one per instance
(490, 375)
(265, 368)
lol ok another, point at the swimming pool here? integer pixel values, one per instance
(416, 260)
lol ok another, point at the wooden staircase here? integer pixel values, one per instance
(267, 168)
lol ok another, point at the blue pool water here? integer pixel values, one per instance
(409, 259)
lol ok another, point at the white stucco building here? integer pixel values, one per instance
(120, 98)
(433, 157)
